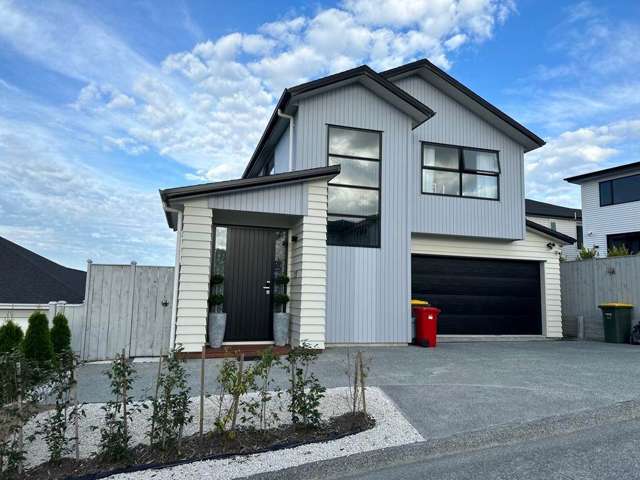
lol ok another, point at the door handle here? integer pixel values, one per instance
(267, 288)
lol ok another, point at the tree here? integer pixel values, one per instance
(37, 341)
(60, 334)
(10, 337)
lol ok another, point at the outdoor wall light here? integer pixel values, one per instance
(165, 302)
(294, 238)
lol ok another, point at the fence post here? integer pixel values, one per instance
(86, 320)
(51, 310)
(132, 301)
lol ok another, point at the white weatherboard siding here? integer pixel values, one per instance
(533, 247)
(195, 272)
(598, 222)
(309, 270)
(281, 154)
(563, 225)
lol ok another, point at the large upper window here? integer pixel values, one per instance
(620, 190)
(460, 172)
(354, 195)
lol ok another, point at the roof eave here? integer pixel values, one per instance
(561, 237)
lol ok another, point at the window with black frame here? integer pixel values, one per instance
(354, 195)
(620, 190)
(460, 172)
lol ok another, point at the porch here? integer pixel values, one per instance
(235, 239)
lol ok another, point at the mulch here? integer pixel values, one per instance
(211, 447)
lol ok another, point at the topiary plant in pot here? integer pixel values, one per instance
(281, 319)
(217, 318)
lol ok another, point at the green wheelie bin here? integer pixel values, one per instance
(616, 319)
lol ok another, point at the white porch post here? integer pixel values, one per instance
(194, 275)
(309, 270)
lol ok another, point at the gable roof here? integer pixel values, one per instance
(216, 188)
(469, 99)
(629, 167)
(566, 239)
(542, 209)
(363, 75)
(26, 277)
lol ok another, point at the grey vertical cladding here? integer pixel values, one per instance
(455, 125)
(285, 199)
(367, 288)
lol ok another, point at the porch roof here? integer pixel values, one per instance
(171, 196)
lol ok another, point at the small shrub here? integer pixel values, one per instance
(171, 408)
(54, 427)
(281, 299)
(10, 337)
(618, 251)
(587, 253)
(37, 340)
(235, 381)
(118, 413)
(305, 390)
(60, 334)
(262, 382)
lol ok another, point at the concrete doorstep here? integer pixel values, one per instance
(503, 435)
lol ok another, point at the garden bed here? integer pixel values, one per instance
(211, 447)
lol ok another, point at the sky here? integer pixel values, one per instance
(104, 103)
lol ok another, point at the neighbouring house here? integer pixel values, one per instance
(29, 282)
(611, 207)
(561, 219)
(371, 189)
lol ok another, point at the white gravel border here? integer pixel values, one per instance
(391, 429)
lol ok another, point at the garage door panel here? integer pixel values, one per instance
(480, 296)
(481, 286)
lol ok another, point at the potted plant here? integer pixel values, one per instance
(217, 318)
(281, 319)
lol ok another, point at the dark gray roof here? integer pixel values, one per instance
(206, 189)
(629, 167)
(419, 110)
(550, 233)
(542, 209)
(26, 277)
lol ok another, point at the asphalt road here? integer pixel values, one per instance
(606, 452)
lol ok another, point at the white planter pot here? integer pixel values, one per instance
(280, 328)
(217, 324)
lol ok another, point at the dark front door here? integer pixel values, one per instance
(247, 271)
(480, 296)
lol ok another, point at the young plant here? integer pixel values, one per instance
(114, 434)
(60, 335)
(37, 340)
(234, 381)
(262, 382)
(54, 427)
(618, 251)
(305, 390)
(10, 337)
(587, 253)
(281, 299)
(171, 407)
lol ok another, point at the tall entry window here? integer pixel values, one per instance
(460, 172)
(354, 195)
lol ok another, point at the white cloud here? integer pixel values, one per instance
(578, 151)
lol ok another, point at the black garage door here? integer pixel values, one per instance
(480, 296)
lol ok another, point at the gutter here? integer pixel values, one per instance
(176, 275)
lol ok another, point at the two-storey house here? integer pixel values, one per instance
(611, 208)
(370, 189)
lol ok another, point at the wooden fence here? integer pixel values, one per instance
(589, 283)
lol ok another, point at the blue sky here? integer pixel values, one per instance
(102, 103)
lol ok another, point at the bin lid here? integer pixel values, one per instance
(615, 305)
(419, 303)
